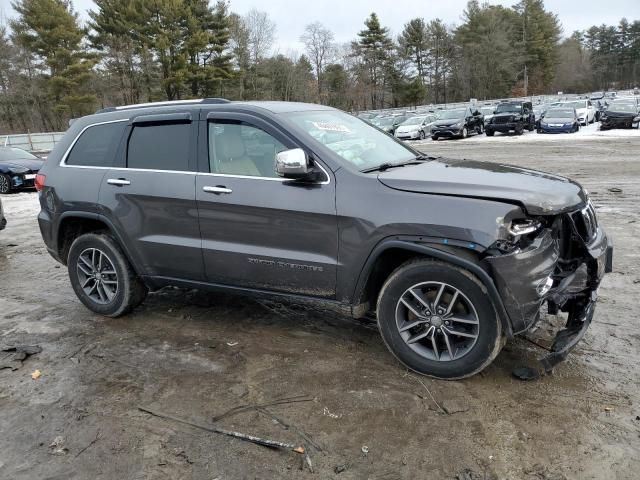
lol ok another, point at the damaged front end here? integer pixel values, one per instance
(558, 259)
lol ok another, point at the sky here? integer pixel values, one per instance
(345, 18)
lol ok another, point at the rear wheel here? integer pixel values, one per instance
(437, 320)
(102, 277)
(519, 129)
(422, 135)
(5, 184)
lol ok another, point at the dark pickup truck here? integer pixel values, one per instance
(512, 117)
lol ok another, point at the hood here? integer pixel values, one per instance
(557, 120)
(537, 192)
(32, 164)
(408, 128)
(447, 122)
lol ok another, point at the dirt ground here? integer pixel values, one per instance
(360, 415)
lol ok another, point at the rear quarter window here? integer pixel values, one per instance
(96, 146)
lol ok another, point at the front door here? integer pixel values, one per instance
(258, 230)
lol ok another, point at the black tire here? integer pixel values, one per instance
(131, 291)
(532, 127)
(519, 129)
(5, 184)
(489, 133)
(435, 138)
(490, 338)
(480, 129)
(422, 135)
(465, 132)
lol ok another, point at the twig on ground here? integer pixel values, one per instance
(429, 392)
(244, 408)
(287, 425)
(242, 436)
(90, 444)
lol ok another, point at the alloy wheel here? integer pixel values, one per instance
(97, 276)
(437, 321)
(5, 187)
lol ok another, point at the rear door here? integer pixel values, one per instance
(259, 230)
(150, 195)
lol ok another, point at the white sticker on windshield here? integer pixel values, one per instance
(331, 127)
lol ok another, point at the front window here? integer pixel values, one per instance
(578, 105)
(350, 138)
(452, 114)
(622, 107)
(413, 121)
(238, 148)
(509, 108)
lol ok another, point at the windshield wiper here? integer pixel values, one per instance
(387, 165)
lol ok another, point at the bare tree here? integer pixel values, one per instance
(318, 42)
(261, 32)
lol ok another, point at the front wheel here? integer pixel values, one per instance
(465, 132)
(5, 184)
(519, 130)
(102, 277)
(489, 133)
(422, 135)
(437, 320)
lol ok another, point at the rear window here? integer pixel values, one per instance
(96, 146)
(160, 147)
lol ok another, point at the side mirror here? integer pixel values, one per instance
(292, 163)
(477, 112)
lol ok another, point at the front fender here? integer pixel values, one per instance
(430, 250)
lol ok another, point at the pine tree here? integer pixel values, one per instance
(374, 46)
(49, 33)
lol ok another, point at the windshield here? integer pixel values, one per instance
(9, 153)
(413, 121)
(487, 110)
(509, 107)
(622, 107)
(576, 105)
(452, 114)
(385, 121)
(352, 139)
(560, 113)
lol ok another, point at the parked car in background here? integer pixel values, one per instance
(538, 111)
(487, 112)
(512, 117)
(299, 201)
(3, 220)
(620, 114)
(418, 127)
(584, 109)
(389, 123)
(559, 120)
(18, 169)
(457, 123)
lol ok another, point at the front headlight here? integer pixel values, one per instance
(524, 226)
(637, 119)
(19, 170)
(459, 124)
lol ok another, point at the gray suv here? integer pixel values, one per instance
(452, 257)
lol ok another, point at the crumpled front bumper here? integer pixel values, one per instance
(527, 278)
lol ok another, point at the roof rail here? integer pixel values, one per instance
(165, 103)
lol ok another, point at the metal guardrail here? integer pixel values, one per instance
(32, 142)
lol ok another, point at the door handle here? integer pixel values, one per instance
(217, 189)
(120, 182)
